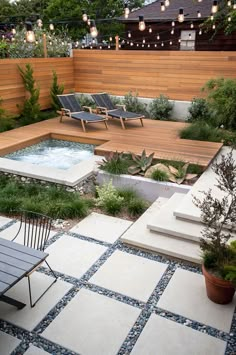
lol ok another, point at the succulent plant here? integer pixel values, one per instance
(141, 163)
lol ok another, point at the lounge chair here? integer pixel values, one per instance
(105, 105)
(71, 107)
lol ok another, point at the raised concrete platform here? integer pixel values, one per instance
(140, 236)
(165, 222)
(187, 209)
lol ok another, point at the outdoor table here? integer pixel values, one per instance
(16, 261)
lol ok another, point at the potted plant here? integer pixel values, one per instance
(219, 217)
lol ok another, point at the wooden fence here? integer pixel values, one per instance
(179, 75)
(12, 89)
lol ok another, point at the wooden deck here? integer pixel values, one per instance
(160, 137)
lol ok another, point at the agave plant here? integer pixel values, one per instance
(141, 163)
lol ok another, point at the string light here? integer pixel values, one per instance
(234, 5)
(170, 43)
(167, 3)
(181, 15)
(93, 29)
(84, 16)
(213, 26)
(212, 17)
(173, 23)
(158, 37)
(191, 25)
(51, 26)
(129, 34)
(144, 40)
(229, 3)
(30, 36)
(162, 44)
(214, 7)
(229, 19)
(199, 14)
(39, 23)
(141, 24)
(150, 29)
(163, 6)
(13, 30)
(88, 21)
(172, 31)
(200, 32)
(126, 11)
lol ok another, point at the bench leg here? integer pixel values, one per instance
(12, 302)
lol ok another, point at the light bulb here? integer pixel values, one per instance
(51, 27)
(126, 11)
(162, 6)
(173, 23)
(150, 29)
(93, 29)
(141, 24)
(172, 31)
(181, 15)
(129, 34)
(199, 14)
(214, 7)
(167, 3)
(84, 16)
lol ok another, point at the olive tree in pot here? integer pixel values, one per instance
(217, 243)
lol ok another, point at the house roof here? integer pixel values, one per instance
(153, 10)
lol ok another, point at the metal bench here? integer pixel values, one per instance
(16, 262)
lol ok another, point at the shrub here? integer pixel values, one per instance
(160, 108)
(133, 104)
(55, 90)
(222, 101)
(31, 108)
(136, 206)
(6, 121)
(159, 175)
(116, 163)
(202, 131)
(108, 198)
(86, 101)
(199, 110)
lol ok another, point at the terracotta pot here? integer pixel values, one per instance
(218, 290)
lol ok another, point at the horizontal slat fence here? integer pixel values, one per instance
(177, 74)
(12, 89)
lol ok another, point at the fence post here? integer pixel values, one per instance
(45, 46)
(117, 42)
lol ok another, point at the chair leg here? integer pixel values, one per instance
(122, 123)
(29, 285)
(106, 124)
(83, 125)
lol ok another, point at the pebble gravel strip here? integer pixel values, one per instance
(147, 308)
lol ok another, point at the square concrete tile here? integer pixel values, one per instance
(33, 350)
(164, 337)
(130, 275)
(10, 232)
(8, 343)
(73, 256)
(102, 227)
(98, 324)
(4, 220)
(27, 318)
(186, 295)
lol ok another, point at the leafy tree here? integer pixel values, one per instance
(31, 107)
(55, 90)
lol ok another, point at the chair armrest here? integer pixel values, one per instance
(122, 106)
(101, 109)
(65, 111)
(88, 108)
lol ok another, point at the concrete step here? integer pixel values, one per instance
(186, 209)
(166, 223)
(140, 236)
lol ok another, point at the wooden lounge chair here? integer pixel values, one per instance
(105, 105)
(71, 107)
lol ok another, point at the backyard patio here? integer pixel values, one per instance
(113, 299)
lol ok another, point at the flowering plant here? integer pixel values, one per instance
(219, 216)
